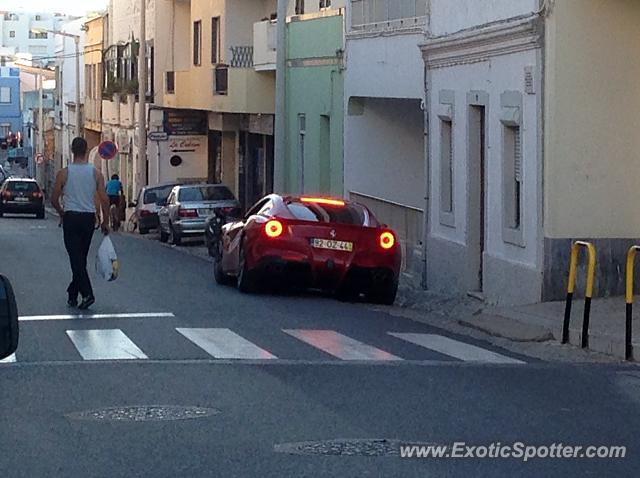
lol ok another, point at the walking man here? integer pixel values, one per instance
(78, 185)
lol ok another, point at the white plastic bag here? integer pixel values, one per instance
(107, 265)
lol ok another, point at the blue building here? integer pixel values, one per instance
(10, 114)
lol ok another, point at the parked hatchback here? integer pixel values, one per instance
(188, 207)
(21, 196)
(149, 202)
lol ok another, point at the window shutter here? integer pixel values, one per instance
(517, 155)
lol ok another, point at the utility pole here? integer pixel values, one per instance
(40, 167)
(79, 129)
(279, 166)
(141, 166)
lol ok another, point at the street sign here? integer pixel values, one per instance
(107, 150)
(157, 136)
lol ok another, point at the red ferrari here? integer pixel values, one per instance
(310, 242)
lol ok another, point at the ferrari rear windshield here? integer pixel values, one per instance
(351, 214)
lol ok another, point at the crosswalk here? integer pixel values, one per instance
(224, 343)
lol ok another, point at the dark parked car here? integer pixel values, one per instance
(149, 202)
(21, 196)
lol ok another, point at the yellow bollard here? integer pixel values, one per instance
(591, 271)
(628, 297)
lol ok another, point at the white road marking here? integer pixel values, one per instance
(339, 345)
(10, 359)
(106, 344)
(141, 315)
(225, 344)
(453, 348)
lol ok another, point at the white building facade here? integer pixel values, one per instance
(66, 86)
(483, 101)
(384, 164)
(20, 32)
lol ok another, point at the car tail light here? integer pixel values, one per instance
(145, 213)
(37, 194)
(227, 211)
(188, 213)
(273, 228)
(7, 195)
(387, 240)
(325, 201)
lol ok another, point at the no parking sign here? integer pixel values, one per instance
(107, 150)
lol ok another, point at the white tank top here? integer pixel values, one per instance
(80, 188)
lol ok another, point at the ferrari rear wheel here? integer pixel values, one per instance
(385, 295)
(245, 282)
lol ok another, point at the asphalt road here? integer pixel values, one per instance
(268, 372)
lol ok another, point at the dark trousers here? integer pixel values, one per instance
(78, 230)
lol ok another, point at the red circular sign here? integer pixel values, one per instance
(107, 150)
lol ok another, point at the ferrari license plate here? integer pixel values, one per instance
(332, 245)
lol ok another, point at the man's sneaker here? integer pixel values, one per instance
(86, 302)
(72, 301)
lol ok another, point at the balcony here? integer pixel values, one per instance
(224, 89)
(384, 15)
(264, 45)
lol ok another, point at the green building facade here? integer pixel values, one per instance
(315, 105)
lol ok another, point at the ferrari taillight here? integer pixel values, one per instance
(387, 240)
(273, 228)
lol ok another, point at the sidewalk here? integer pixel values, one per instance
(540, 322)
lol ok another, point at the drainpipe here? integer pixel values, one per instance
(141, 169)
(427, 156)
(279, 165)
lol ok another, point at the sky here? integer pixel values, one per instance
(73, 7)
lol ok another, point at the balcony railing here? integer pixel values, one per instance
(241, 57)
(368, 14)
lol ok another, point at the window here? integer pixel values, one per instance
(512, 171)
(5, 94)
(156, 194)
(197, 42)
(367, 12)
(302, 132)
(38, 18)
(170, 82)
(12, 34)
(38, 35)
(446, 166)
(206, 193)
(351, 214)
(215, 40)
(325, 4)
(299, 7)
(5, 128)
(221, 79)
(512, 156)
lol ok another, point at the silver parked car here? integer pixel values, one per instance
(188, 207)
(150, 200)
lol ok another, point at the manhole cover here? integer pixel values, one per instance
(342, 447)
(148, 413)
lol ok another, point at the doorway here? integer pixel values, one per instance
(476, 223)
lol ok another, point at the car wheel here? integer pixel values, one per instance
(143, 231)
(40, 214)
(386, 295)
(245, 281)
(164, 237)
(218, 273)
(1, 213)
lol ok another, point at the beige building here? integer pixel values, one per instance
(219, 71)
(93, 77)
(533, 109)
